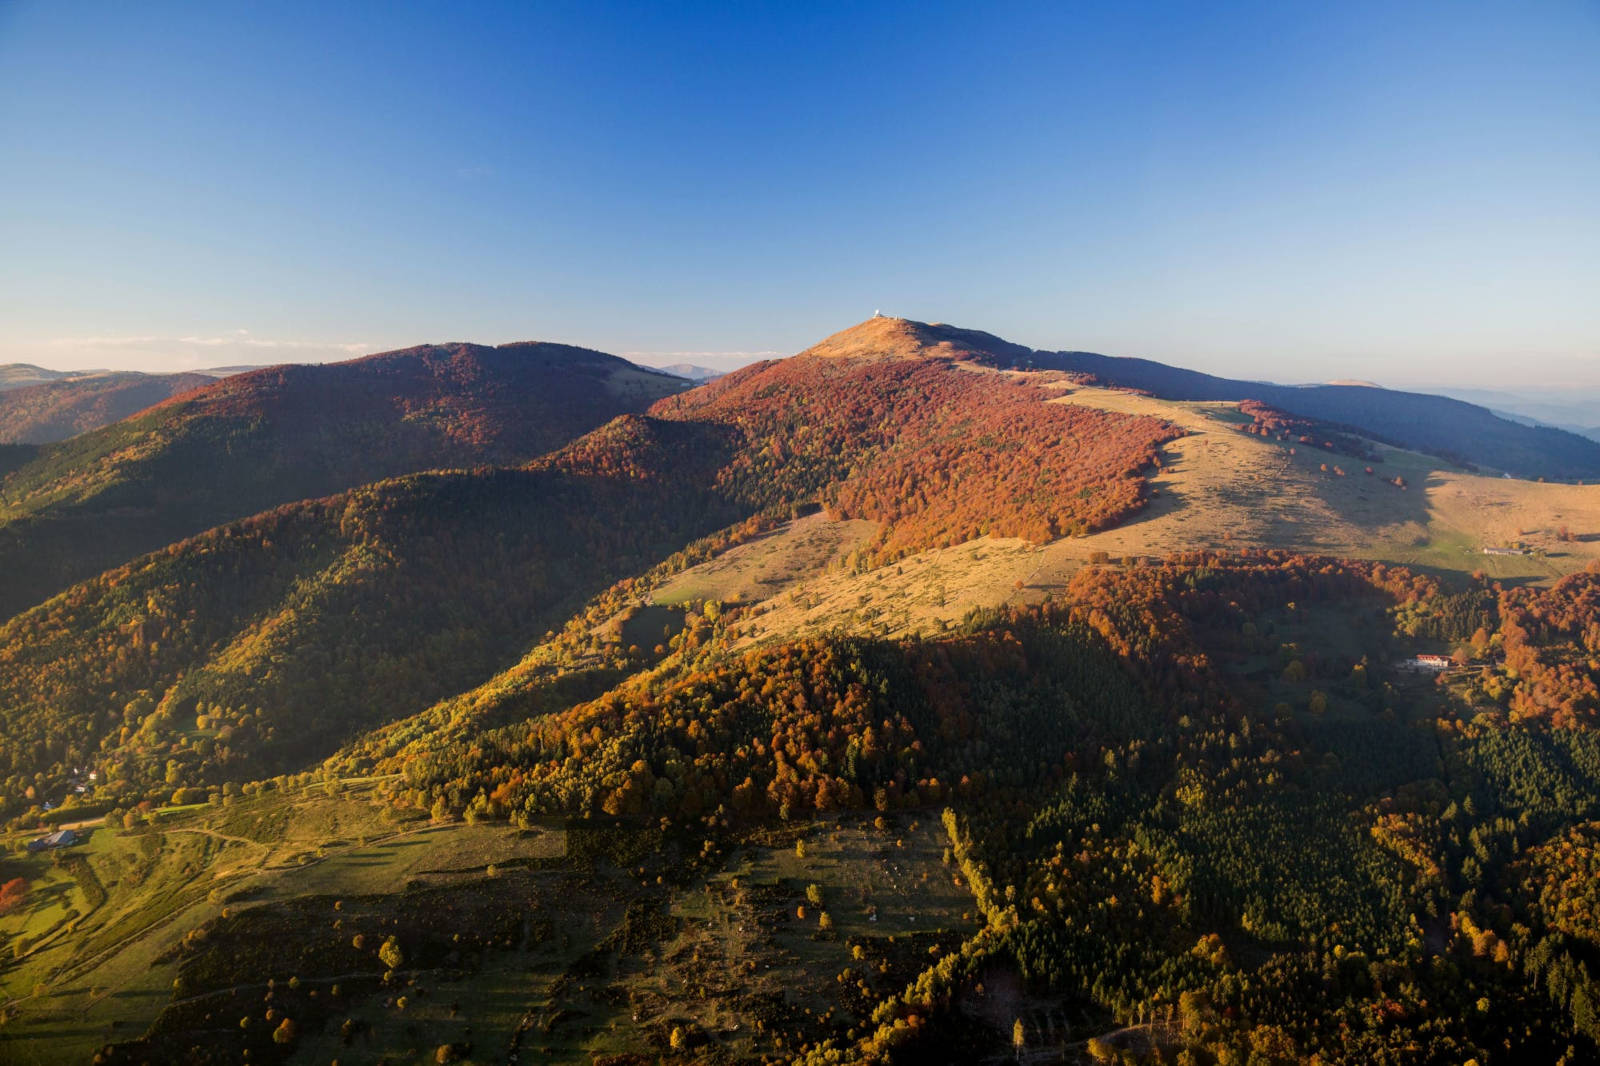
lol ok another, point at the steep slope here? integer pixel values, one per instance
(874, 426)
(260, 647)
(820, 723)
(54, 411)
(257, 647)
(260, 439)
(882, 426)
(813, 725)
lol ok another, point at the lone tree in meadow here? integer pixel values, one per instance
(391, 955)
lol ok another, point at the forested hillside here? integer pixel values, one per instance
(938, 454)
(259, 439)
(54, 411)
(259, 647)
(541, 760)
(1142, 829)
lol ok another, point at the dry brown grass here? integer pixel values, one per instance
(1218, 488)
(770, 565)
(1225, 489)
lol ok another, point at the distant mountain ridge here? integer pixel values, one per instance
(26, 375)
(256, 440)
(1459, 431)
(1438, 425)
(1575, 409)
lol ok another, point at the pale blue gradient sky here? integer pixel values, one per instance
(1398, 192)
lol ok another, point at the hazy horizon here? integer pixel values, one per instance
(148, 355)
(197, 357)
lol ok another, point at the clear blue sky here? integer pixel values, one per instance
(1401, 192)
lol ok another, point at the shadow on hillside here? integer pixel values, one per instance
(138, 993)
(1280, 500)
(1160, 496)
(55, 1034)
(1372, 501)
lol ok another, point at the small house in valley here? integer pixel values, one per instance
(61, 838)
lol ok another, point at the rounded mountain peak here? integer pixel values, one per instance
(885, 337)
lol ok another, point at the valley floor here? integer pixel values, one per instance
(607, 942)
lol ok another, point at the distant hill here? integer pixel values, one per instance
(22, 375)
(1449, 428)
(884, 427)
(229, 371)
(56, 410)
(1574, 409)
(259, 439)
(692, 372)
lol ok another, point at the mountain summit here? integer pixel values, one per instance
(884, 337)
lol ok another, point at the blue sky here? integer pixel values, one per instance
(1398, 192)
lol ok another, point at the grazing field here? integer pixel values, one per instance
(554, 918)
(922, 593)
(1220, 488)
(89, 956)
(561, 943)
(766, 566)
(1217, 488)
(429, 855)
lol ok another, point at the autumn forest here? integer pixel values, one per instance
(520, 704)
